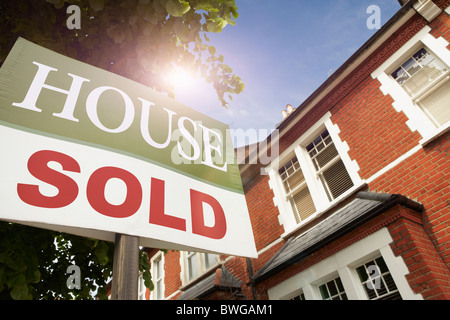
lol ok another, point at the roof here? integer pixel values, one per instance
(363, 208)
(221, 279)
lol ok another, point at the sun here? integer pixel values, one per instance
(180, 78)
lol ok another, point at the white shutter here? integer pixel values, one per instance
(329, 167)
(437, 103)
(302, 204)
(297, 190)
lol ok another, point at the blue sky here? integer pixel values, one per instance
(283, 51)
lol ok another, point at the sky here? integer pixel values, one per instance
(283, 50)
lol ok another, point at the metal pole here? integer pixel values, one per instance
(125, 268)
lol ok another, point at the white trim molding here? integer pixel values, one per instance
(427, 9)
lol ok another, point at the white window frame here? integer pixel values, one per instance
(157, 281)
(375, 277)
(142, 289)
(333, 277)
(417, 118)
(201, 263)
(344, 264)
(317, 190)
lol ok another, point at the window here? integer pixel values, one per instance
(210, 260)
(426, 80)
(300, 296)
(141, 288)
(297, 190)
(158, 278)
(328, 165)
(314, 174)
(192, 265)
(377, 280)
(417, 77)
(333, 290)
(157, 270)
(196, 264)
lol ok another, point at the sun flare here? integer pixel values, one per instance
(179, 77)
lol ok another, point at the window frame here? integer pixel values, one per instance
(418, 120)
(417, 98)
(337, 282)
(157, 280)
(372, 279)
(319, 170)
(201, 263)
(142, 289)
(299, 188)
(316, 188)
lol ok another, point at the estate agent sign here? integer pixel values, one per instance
(89, 152)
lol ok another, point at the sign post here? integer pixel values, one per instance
(125, 268)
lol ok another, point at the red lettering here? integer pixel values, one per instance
(157, 215)
(95, 191)
(219, 229)
(38, 167)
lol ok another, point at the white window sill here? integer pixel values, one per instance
(436, 134)
(324, 209)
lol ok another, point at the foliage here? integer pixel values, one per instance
(140, 40)
(34, 262)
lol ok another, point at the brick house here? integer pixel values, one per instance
(356, 205)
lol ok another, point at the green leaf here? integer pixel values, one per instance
(16, 280)
(212, 50)
(34, 277)
(147, 276)
(216, 25)
(101, 253)
(177, 8)
(20, 292)
(207, 7)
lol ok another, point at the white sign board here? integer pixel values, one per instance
(88, 152)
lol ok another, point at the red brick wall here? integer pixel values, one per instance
(429, 275)
(263, 213)
(375, 133)
(442, 3)
(441, 27)
(172, 272)
(425, 177)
